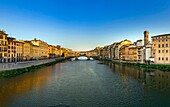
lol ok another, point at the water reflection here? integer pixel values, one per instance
(13, 88)
(149, 77)
(87, 83)
(82, 58)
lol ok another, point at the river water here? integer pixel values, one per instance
(87, 84)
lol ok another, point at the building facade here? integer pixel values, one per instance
(12, 54)
(43, 48)
(19, 50)
(27, 50)
(52, 51)
(119, 45)
(3, 47)
(35, 52)
(161, 48)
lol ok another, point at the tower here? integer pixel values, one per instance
(146, 37)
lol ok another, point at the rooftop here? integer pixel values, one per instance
(160, 35)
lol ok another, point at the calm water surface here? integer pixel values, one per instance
(86, 84)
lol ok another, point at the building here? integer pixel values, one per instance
(133, 53)
(140, 54)
(123, 52)
(35, 52)
(97, 50)
(147, 48)
(19, 50)
(101, 53)
(59, 50)
(119, 45)
(146, 37)
(106, 52)
(26, 50)
(112, 50)
(3, 47)
(161, 48)
(12, 54)
(129, 53)
(139, 43)
(43, 48)
(52, 51)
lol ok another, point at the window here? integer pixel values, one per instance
(5, 49)
(162, 51)
(166, 58)
(159, 51)
(159, 58)
(166, 45)
(5, 55)
(159, 46)
(0, 55)
(162, 58)
(1, 37)
(162, 45)
(166, 51)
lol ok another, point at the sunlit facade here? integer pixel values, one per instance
(161, 48)
(52, 51)
(3, 47)
(119, 45)
(27, 50)
(19, 50)
(35, 52)
(43, 48)
(12, 53)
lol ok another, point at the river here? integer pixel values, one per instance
(85, 83)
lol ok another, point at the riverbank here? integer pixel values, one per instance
(149, 66)
(20, 70)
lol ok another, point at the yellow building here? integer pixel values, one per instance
(119, 45)
(123, 52)
(3, 47)
(52, 51)
(161, 48)
(19, 50)
(59, 50)
(27, 50)
(43, 48)
(132, 53)
(12, 55)
(35, 52)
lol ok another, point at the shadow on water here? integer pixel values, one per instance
(152, 78)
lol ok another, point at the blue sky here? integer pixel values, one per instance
(84, 24)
